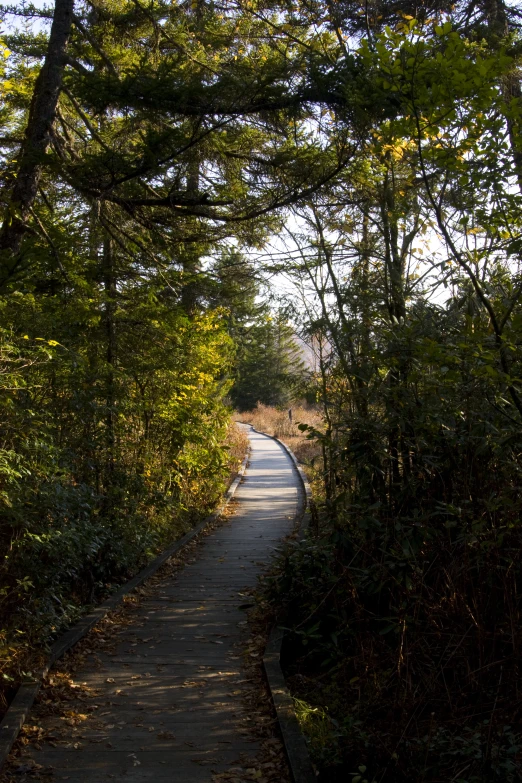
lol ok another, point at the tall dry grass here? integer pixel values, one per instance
(277, 422)
(237, 442)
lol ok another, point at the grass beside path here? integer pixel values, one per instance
(277, 422)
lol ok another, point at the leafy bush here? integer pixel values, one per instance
(101, 466)
(405, 604)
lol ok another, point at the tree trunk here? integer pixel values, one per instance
(326, 444)
(109, 284)
(190, 256)
(394, 257)
(34, 146)
(499, 26)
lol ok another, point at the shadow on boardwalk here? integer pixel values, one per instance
(161, 695)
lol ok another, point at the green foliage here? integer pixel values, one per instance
(270, 369)
(269, 365)
(124, 324)
(404, 602)
(89, 496)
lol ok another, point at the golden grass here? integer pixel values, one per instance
(277, 422)
(237, 442)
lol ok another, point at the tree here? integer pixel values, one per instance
(419, 481)
(174, 94)
(41, 116)
(271, 368)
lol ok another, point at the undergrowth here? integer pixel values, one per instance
(77, 545)
(404, 657)
(404, 629)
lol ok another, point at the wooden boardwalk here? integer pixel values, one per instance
(168, 696)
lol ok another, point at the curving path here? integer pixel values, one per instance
(166, 701)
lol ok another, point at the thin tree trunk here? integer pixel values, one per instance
(326, 444)
(190, 256)
(109, 284)
(365, 349)
(34, 146)
(394, 258)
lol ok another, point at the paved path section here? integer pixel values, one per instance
(168, 701)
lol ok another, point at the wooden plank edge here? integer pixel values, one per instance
(294, 742)
(23, 700)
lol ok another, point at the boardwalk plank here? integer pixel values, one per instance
(165, 703)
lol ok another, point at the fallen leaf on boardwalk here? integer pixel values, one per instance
(110, 679)
(74, 718)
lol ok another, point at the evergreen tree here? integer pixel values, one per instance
(271, 368)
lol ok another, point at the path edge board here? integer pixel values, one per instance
(27, 692)
(296, 749)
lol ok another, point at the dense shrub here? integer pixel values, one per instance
(404, 603)
(101, 464)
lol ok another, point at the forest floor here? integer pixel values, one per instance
(173, 680)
